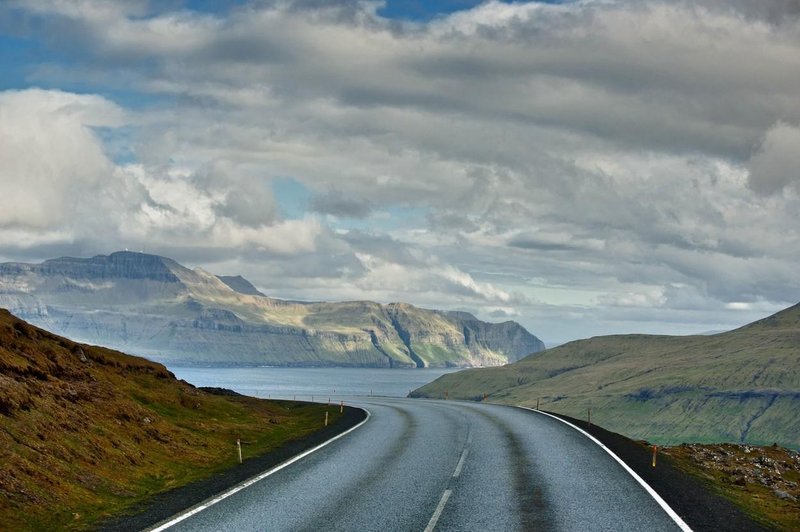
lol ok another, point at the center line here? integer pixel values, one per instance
(438, 512)
(461, 462)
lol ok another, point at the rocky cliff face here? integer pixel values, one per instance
(154, 306)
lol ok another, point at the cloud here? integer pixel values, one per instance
(624, 160)
(52, 158)
(776, 163)
(337, 204)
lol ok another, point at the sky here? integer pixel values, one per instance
(584, 168)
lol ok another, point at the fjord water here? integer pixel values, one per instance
(303, 383)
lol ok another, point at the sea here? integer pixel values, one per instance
(311, 384)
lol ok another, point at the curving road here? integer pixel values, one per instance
(444, 465)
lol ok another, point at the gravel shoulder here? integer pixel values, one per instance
(165, 505)
(697, 505)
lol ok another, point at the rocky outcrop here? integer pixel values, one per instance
(154, 306)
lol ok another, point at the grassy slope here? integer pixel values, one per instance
(742, 385)
(86, 432)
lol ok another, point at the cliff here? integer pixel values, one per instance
(154, 306)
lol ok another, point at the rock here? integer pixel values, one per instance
(782, 495)
(739, 480)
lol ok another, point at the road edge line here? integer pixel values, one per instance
(174, 520)
(653, 493)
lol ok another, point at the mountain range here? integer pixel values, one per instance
(153, 306)
(739, 386)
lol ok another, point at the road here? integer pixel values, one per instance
(444, 465)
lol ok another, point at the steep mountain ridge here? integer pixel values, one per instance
(738, 386)
(154, 306)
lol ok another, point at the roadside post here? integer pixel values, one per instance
(326, 418)
(239, 448)
(655, 451)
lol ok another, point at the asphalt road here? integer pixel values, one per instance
(455, 466)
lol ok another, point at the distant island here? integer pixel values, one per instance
(153, 306)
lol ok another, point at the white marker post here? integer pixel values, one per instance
(239, 448)
(326, 418)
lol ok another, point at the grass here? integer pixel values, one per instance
(740, 386)
(86, 432)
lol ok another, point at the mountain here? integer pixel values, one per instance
(738, 386)
(156, 307)
(86, 432)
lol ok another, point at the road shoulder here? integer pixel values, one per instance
(701, 509)
(167, 504)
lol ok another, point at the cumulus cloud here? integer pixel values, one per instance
(51, 157)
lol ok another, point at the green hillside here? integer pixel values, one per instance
(86, 432)
(738, 386)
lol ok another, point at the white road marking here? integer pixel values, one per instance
(460, 465)
(661, 502)
(211, 502)
(439, 510)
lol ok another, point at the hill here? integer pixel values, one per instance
(86, 432)
(154, 306)
(738, 386)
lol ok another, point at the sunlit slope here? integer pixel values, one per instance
(738, 386)
(87, 431)
(154, 306)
